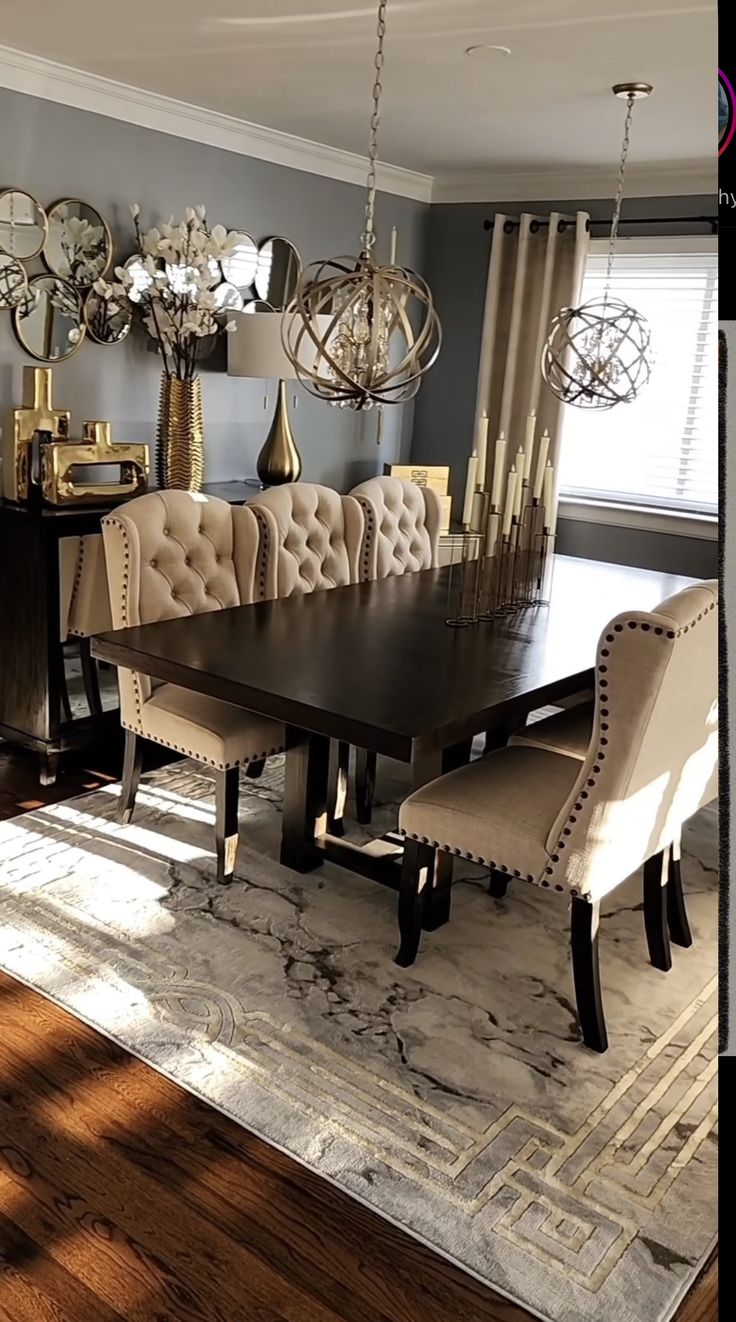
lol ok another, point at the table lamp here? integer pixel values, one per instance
(254, 349)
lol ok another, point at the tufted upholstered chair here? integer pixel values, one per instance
(401, 536)
(311, 537)
(582, 827)
(177, 553)
(402, 527)
(84, 608)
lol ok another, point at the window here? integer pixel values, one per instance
(662, 449)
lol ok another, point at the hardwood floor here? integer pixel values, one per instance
(124, 1197)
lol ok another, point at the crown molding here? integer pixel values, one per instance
(678, 179)
(21, 72)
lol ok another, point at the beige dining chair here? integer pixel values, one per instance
(401, 536)
(312, 539)
(89, 611)
(179, 553)
(581, 828)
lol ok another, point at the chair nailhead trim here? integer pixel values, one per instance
(604, 696)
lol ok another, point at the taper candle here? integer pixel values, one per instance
(519, 490)
(531, 424)
(508, 509)
(499, 464)
(470, 489)
(481, 447)
(394, 241)
(541, 463)
(549, 501)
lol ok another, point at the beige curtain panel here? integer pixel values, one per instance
(535, 269)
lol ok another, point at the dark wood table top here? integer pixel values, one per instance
(376, 665)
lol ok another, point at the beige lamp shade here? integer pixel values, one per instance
(254, 348)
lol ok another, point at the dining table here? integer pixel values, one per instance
(376, 665)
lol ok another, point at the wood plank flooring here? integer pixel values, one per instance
(124, 1197)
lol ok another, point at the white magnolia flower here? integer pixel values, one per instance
(102, 288)
(135, 211)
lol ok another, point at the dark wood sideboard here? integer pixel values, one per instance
(31, 655)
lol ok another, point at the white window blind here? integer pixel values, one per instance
(660, 450)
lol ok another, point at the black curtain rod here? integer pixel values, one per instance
(510, 225)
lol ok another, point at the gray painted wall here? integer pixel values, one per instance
(456, 265)
(56, 151)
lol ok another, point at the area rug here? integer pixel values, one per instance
(454, 1097)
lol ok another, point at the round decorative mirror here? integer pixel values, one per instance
(49, 324)
(228, 298)
(239, 267)
(23, 224)
(279, 267)
(13, 282)
(78, 246)
(107, 320)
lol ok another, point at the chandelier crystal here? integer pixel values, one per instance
(367, 332)
(598, 355)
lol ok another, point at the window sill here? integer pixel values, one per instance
(675, 522)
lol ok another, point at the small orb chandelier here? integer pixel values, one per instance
(358, 334)
(598, 355)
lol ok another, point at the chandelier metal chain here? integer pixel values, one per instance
(619, 190)
(598, 355)
(361, 334)
(368, 238)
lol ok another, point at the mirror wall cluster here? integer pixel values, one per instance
(53, 311)
(254, 277)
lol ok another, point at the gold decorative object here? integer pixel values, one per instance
(279, 461)
(434, 476)
(58, 462)
(37, 414)
(180, 435)
(598, 355)
(382, 332)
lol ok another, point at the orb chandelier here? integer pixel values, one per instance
(597, 355)
(359, 334)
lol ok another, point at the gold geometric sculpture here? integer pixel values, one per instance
(37, 414)
(60, 486)
(382, 332)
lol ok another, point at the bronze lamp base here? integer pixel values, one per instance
(279, 460)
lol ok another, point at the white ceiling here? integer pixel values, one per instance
(306, 69)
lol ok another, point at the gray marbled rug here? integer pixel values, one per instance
(453, 1097)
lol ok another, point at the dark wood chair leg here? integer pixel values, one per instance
(417, 870)
(90, 677)
(254, 770)
(338, 786)
(676, 912)
(498, 884)
(66, 706)
(365, 785)
(438, 897)
(655, 910)
(227, 786)
(584, 921)
(132, 763)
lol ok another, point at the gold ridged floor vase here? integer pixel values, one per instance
(180, 435)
